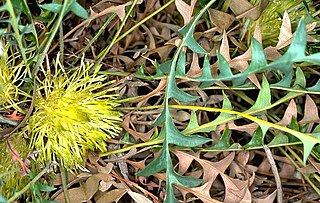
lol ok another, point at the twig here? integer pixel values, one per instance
(275, 173)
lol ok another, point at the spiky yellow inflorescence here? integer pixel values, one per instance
(10, 79)
(73, 113)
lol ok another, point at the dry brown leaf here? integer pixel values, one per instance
(195, 69)
(139, 198)
(291, 112)
(287, 171)
(224, 48)
(210, 169)
(243, 8)
(112, 196)
(311, 114)
(76, 195)
(91, 186)
(220, 19)
(285, 35)
(184, 162)
(267, 199)
(185, 10)
(264, 167)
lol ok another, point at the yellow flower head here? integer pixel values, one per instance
(10, 79)
(73, 113)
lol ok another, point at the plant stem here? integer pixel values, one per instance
(23, 190)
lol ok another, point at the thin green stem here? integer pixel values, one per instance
(105, 51)
(33, 181)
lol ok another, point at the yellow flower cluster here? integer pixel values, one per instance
(73, 113)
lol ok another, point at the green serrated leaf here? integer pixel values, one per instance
(258, 60)
(78, 10)
(315, 88)
(165, 67)
(160, 119)
(208, 127)
(193, 123)
(53, 7)
(223, 142)
(189, 41)
(300, 79)
(296, 50)
(206, 74)
(175, 92)
(177, 138)
(264, 97)
(279, 139)
(313, 59)
(224, 68)
(308, 145)
(257, 139)
(158, 164)
(186, 181)
(181, 65)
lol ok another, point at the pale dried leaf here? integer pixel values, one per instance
(185, 10)
(112, 196)
(285, 35)
(139, 198)
(91, 186)
(268, 199)
(291, 112)
(220, 19)
(76, 195)
(311, 114)
(224, 48)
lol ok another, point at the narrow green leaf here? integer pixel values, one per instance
(177, 138)
(53, 7)
(224, 68)
(193, 123)
(257, 139)
(158, 164)
(223, 142)
(186, 181)
(279, 139)
(258, 60)
(300, 81)
(187, 33)
(264, 97)
(175, 92)
(78, 10)
(181, 65)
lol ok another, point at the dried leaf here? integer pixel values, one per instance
(91, 186)
(139, 198)
(76, 195)
(285, 35)
(112, 196)
(291, 112)
(221, 19)
(185, 10)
